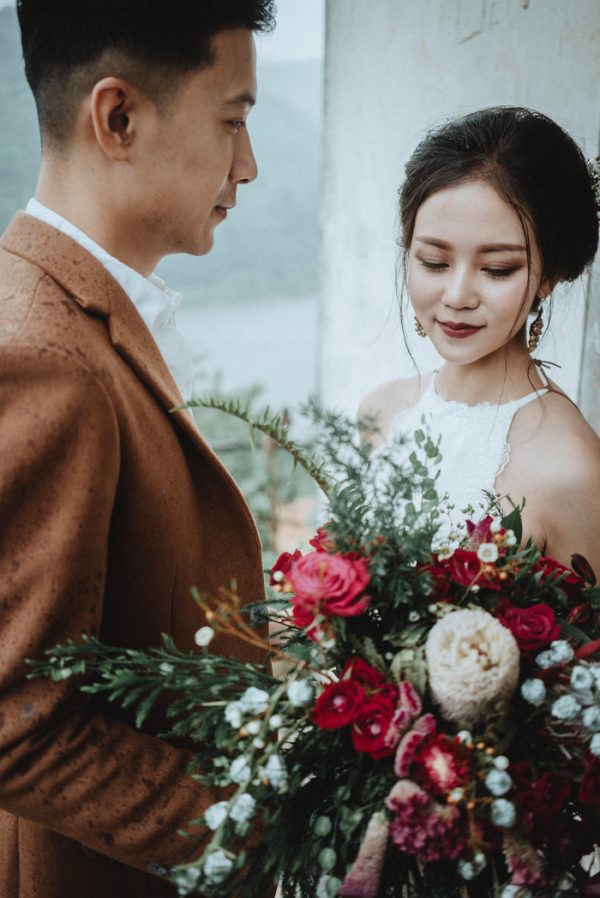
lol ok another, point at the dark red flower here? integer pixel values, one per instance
(338, 705)
(442, 585)
(282, 566)
(466, 569)
(304, 618)
(540, 803)
(532, 627)
(481, 532)
(322, 542)
(440, 764)
(371, 724)
(580, 614)
(589, 787)
(553, 571)
(333, 583)
(357, 669)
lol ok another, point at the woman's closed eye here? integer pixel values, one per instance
(433, 266)
(501, 272)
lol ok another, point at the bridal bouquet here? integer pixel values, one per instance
(437, 732)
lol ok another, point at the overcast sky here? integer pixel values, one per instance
(299, 35)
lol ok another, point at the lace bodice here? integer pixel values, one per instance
(474, 447)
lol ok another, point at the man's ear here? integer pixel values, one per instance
(111, 106)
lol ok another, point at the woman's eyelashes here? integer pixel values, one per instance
(498, 272)
(501, 272)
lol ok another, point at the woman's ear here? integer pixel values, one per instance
(546, 287)
(111, 106)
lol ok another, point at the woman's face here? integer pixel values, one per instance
(468, 273)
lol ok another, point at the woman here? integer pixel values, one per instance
(497, 208)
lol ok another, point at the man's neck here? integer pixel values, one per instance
(97, 216)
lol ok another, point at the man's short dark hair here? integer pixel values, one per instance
(69, 45)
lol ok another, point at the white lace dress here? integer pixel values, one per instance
(473, 441)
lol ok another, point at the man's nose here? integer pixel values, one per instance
(244, 167)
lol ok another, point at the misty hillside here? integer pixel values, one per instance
(268, 246)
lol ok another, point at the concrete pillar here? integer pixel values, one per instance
(394, 68)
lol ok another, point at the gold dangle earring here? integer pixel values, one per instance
(419, 328)
(535, 331)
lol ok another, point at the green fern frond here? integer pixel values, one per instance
(275, 427)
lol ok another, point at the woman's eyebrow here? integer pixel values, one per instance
(502, 247)
(484, 248)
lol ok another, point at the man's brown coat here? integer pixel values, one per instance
(111, 508)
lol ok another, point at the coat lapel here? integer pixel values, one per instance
(97, 292)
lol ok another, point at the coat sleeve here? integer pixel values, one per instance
(63, 763)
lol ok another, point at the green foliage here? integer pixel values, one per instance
(268, 474)
(273, 426)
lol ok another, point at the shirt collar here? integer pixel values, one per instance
(155, 302)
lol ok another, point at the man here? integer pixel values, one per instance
(111, 506)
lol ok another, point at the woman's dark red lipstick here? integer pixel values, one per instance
(458, 329)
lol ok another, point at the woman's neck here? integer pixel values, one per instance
(501, 377)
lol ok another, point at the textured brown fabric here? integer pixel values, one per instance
(111, 508)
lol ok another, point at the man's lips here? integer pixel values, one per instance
(222, 209)
(459, 328)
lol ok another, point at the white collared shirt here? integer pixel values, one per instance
(155, 302)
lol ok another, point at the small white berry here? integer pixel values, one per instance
(253, 728)
(203, 636)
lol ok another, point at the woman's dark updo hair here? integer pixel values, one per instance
(531, 163)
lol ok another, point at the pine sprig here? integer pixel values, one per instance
(133, 677)
(275, 427)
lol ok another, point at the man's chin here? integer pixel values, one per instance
(200, 247)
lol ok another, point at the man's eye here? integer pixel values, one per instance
(237, 123)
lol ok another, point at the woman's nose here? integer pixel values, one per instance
(460, 291)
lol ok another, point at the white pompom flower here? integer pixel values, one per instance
(472, 659)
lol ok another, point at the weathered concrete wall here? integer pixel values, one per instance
(393, 69)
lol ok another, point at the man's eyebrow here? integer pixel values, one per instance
(484, 248)
(244, 99)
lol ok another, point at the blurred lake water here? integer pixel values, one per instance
(272, 343)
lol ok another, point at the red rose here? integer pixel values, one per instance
(564, 577)
(335, 583)
(371, 724)
(282, 566)
(589, 787)
(532, 627)
(337, 705)
(358, 670)
(466, 569)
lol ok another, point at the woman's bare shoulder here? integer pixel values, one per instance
(555, 465)
(566, 436)
(390, 398)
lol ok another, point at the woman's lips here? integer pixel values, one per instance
(458, 329)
